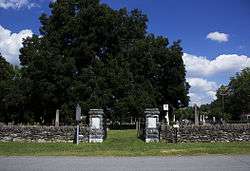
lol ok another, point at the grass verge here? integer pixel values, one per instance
(122, 143)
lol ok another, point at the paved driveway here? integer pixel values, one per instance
(126, 163)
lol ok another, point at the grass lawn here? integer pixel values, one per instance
(121, 143)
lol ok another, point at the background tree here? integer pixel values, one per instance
(185, 113)
(12, 94)
(233, 99)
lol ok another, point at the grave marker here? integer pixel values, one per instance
(57, 118)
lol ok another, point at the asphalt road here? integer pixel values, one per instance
(193, 163)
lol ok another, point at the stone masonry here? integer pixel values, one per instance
(209, 133)
(39, 133)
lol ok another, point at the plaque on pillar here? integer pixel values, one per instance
(97, 130)
(152, 125)
(95, 123)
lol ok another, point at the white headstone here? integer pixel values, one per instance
(214, 120)
(167, 118)
(203, 119)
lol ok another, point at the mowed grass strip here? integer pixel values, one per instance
(121, 143)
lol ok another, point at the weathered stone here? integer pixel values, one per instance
(152, 125)
(39, 133)
(209, 133)
(57, 118)
(96, 125)
(196, 115)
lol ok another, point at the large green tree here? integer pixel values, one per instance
(99, 57)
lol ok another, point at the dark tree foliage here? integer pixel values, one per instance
(233, 100)
(6, 74)
(239, 93)
(185, 113)
(6, 70)
(99, 57)
(12, 94)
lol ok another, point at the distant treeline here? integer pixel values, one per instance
(232, 103)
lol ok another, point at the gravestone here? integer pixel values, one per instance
(214, 119)
(78, 118)
(203, 119)
(57, 118)
(152, 125)
(96, 125)
(196, 121)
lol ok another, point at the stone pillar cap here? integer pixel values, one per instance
(96, 111)
(154, 111)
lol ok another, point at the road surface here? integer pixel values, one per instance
(193, 163)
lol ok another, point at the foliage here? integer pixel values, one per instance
(98, 57)
(185, 113)
(233, 99)
(12, 94)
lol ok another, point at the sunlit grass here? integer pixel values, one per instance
(121, 143)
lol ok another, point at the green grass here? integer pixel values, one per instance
(121, 143)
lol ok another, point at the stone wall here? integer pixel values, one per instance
(209, 133)
(40, 133)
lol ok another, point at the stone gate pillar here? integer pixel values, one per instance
(96, 125)
(152, 125)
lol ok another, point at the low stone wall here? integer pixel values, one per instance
(40, 133)
(209, 133)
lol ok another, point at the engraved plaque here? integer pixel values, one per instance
(151, 122)
(95, 123)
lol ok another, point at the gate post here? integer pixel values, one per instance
(152, 125)
(96, 125)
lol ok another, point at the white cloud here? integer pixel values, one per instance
(202, 91)
(198, 66)
(217, 36)
(202, 84)
(203, 74)
(10, 43)
(17, 4)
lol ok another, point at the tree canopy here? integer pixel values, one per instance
(91, 54)
(233, 100)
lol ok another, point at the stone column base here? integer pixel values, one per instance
(94, 140)
(148, 140)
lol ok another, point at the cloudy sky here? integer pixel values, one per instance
(215, 35)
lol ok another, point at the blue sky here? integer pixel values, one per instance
(215, 34)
